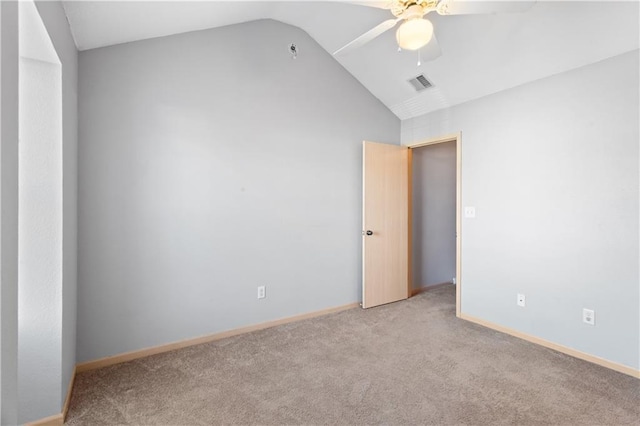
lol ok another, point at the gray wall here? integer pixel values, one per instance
(9, 212)
(434, 214)
(212, 163)
(552, 169)
(55, 21)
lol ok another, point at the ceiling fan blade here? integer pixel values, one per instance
(431, 51)
(368, 36)
(380, 4)
(473, 7)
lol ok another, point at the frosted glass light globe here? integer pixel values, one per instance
(414, 33)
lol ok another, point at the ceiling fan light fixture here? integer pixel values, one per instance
(414, 33)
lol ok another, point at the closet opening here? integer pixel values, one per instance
(435, 215)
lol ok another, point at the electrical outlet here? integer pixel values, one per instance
(589, 316)
(470, 212)
(262, 292)
(521, 300)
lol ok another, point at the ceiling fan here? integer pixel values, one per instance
(416, 31)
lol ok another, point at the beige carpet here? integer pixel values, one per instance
(406, 363)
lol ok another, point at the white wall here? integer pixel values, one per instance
(552, 169)
(39, 239)
(55, 21)
(434, 214)
(57, 28)
(212, 163)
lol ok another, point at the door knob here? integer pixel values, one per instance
(369, 232)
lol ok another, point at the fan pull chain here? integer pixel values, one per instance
(419, 58)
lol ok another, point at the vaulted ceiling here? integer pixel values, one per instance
(481, 54)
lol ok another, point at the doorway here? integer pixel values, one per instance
(435, 214)
(387, 235)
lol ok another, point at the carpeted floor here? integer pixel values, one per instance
(406, 363)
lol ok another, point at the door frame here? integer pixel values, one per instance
(442, 139)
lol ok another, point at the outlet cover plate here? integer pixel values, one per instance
(470, 212)
(521, 300)
(589, 316)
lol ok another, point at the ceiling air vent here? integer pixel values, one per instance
(420, 83)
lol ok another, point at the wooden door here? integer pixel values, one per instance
(385, 217)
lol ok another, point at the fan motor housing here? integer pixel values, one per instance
(408, 9)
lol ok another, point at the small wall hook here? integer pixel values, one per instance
(293, 49)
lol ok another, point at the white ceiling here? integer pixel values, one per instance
(481, 54)
(34, 40)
